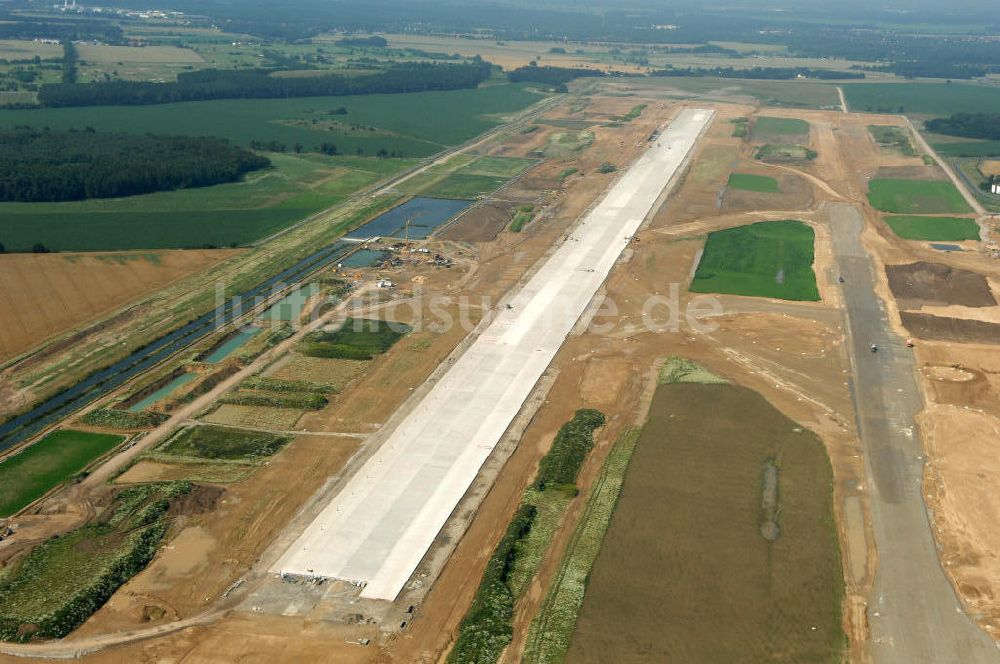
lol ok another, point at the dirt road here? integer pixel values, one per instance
(914, 615)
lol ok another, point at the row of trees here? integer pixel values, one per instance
(554, 76)
(259, 84)
(75, 165)
(968, 125)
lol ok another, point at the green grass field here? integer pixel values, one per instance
(766, 259)
(912, 227)
(922, 98)
(29, 475)
(748, 182)
(227, 214)
(465, 186)
(769, 126)
(783, 153)
(965, 148)
(915, 196)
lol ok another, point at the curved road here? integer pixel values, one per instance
(914, 615)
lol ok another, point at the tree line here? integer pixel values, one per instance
(76, 165)
(259, 84)
(967, 125)
(554, 76)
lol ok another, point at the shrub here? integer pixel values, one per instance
(569, 449)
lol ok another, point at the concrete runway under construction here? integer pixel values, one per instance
(379, 526)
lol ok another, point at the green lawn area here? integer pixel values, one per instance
(915, 196)
(748, 182)
(780, 126)
(506, 167)
(766, 259)
(465, 186)
(31, 474)
(912, 227)
(222, 443)
(227, 214)
(922, 98)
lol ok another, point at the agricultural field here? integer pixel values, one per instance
(409, 125)
(915, 196)
(893, 138)
(47, 294)
(913, 227)
(737, 522)
(748, 182)
(921, 99)
(62, 582)
(224, 215)
(766, 259)
(54, 459)
(22, 49)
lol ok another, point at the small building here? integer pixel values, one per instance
(995, 188)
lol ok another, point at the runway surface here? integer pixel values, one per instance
(377, 529)
(914, 615)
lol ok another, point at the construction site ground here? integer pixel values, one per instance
(797, 355)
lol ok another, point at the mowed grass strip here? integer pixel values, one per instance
(911, 227)
(749, 182)
(685, 573)
(766, 259)
(29, 475)
(915, 196)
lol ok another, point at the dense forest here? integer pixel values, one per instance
(555, 76)
(75, 165)
(967, 125)
(259, 84)
(759, 73)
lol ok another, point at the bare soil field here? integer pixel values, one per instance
(943, 328)
(922, 283)
(47, 294)
(794, 193)
(480, 225)
(691, 547)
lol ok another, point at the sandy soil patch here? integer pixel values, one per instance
(960, 486)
